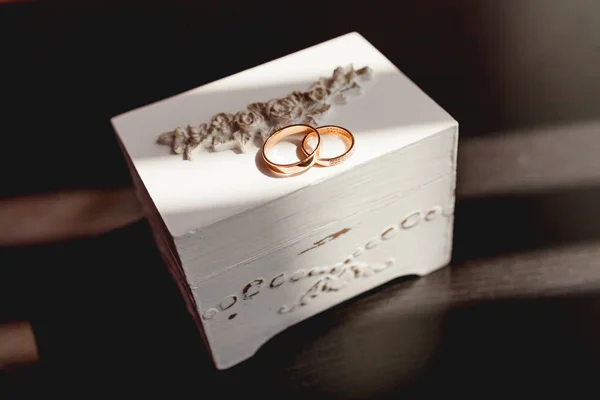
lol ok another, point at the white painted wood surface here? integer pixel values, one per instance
(260, 253)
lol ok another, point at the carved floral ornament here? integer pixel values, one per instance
(227, 131)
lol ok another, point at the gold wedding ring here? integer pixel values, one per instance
(299, 166)
(329, 129)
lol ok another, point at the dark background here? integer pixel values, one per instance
(517, 310)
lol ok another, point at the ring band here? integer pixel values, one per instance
(328, 162)
(299, 166)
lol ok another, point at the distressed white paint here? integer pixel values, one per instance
(228, 302)
(278, 280)
(299, 274)
(210, 313)
(286, 249)
(433, 213)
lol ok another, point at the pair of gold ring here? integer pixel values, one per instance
(311, 155)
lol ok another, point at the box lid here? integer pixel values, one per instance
(391, 113)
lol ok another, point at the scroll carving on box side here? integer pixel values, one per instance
(333, 278)
(227, 131)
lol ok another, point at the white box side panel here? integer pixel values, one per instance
(407, 234)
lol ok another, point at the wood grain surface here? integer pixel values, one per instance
(515, 314)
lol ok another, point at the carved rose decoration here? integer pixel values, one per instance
(318, 93)
(284, 110)
(228, 131)
(222, 123)
(197, 135)
(179, 140)
(249, 121)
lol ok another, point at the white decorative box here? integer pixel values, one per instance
(254, 254)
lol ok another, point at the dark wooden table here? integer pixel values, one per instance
(519, 308)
